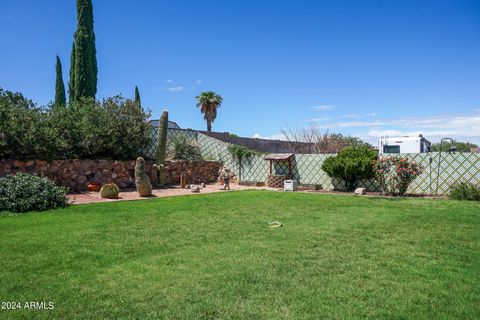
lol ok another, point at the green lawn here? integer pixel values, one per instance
(213, 256)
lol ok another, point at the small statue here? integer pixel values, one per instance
(142, 182)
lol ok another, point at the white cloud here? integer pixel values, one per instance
(169, 81)
(464, 126)
(175, 89)
(198, 82)
(356, 116)
(272, 137)
(324, 107)
(318, 119)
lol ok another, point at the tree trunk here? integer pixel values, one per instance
(209, 126)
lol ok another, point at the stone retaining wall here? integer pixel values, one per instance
(195, 171)
(76, 174)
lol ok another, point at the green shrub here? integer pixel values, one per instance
(28, 192)
(240, 152)
(182, 147)
(113, 128)
(351, 165)
(109, 191)
(465, 191)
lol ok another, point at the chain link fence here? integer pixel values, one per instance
(439, 173)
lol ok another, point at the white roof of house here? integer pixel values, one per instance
(403, 138)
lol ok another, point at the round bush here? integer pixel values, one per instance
(351, 165)
(28, 192)
(109, 191)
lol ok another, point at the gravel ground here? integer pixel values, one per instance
(91, 197)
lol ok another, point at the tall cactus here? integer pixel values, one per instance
(161, 148)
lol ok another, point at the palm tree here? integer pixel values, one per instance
(209, 102)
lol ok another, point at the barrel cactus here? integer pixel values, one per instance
(144, 188)
(109, 191)
(161, 149)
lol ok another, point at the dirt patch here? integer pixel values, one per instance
(125, 195)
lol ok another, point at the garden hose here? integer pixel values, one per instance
(274, 224)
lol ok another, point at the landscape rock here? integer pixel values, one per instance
(195, 189)
(360, 191)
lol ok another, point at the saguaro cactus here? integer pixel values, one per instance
(144, 188)
(161, 148)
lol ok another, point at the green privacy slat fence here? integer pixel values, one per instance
(307, 168)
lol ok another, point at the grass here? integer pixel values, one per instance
(213, 256)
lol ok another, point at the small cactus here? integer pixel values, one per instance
(109, 191)
(144, 188)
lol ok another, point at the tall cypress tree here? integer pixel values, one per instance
(60, 98)
(71, 82)
(85, 52)
(137, 97)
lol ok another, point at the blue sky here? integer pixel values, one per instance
(363, 68)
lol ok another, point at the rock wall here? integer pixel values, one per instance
(76, 174)
(195, 171)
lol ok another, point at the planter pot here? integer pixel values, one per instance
(94, 186)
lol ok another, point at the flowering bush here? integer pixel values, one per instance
(395, 174)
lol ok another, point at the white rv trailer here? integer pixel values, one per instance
(406, 144)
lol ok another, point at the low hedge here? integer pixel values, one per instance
(29, 192)
(465, 191)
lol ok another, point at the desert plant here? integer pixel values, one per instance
(209, 102)
(394, 174)
(109, 191)
(240, 153)
(161, 150)
(351, 165)
(182, 147)
(142, 182)
(465, 191)
(28, 192)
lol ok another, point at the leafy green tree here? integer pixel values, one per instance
(71, 82)
(351, 165)
(25, 131)
(60, 98)
(209, 102)
(85, 52)
(240, 153)
(114, 128)
(137, 96)
(461, 146)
